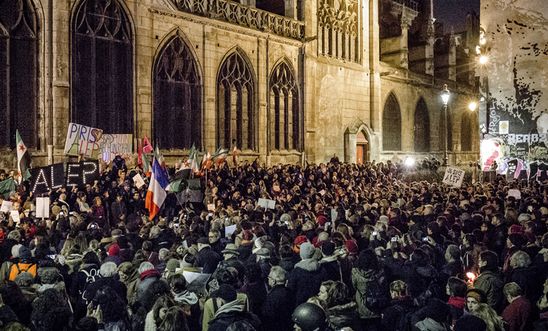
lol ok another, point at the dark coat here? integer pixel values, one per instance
(256, 293)
(207, 259)
(277, 309)
(491, 284)
(394, 317)
(530, 280)
(305, 280)
(518, 315)
(344, 316)
(114, 284)
(223, 321)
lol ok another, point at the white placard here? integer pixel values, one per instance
(42, 207)
(333, 214)
(211, 207)
(453, 177)
(15, 216)
(229, 230)
(6, 206)
(267, 204)
(139, 181)
(191, 276)
(514, 193)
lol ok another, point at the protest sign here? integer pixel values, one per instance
(139, 181)
(82, 173)
(6, 206)
(514, 193)
(44, 179)
(111, 145)
(267, 203)
(453, 177)
(82, 140)
(15, 216)
(42, 207)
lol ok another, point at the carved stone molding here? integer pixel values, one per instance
(338, 29)
(250, 17)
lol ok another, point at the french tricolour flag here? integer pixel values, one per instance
(156, 189)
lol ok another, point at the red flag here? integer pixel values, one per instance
(147, 146)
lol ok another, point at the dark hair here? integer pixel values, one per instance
(178, 283)
(367, 260)
(457, 287)
(91, 258)
(253, 272)
(285, 251)
(491, 258)
(50, 311)
(174, 319)
(110, 303)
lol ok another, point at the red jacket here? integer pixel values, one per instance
(517, 315)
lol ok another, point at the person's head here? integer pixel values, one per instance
(178, 283)
(161, 306)
(309, 317)
(203, 242)
(511, 291)
(50, 311)
(225, 294)
(452, 253)
(456, 287)
(398, 289)
(488, 261)
(333, 293)
(520, 259)
(489, 316)
(214, 236)
(145, 266)
(174, 319)
(367, 260)
(473, 298)
(277, 276)
(108, 269)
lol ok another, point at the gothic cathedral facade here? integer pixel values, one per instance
(282, 80)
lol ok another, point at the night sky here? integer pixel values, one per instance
(453, 12)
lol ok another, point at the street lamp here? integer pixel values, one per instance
(445, 99)
(472, 106)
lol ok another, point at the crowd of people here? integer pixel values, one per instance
(346, 247)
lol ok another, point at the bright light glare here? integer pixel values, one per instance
(483, 59)
(409, 162)
(473, 105)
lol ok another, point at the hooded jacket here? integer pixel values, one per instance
(232, 316)
(305, 280)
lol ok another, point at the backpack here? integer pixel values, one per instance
(375, 296)
(91, 276)
(19, 267)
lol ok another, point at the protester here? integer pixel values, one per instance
(341, 246)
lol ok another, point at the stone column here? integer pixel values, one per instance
(452, 58)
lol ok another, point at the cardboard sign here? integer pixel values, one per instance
(82, 173)
(82, 140)
(15, 216)
(6, 206)
(514, 193)
(267, 203)
(111, 145)
(139, 181)
(42, 207)
(453, 177)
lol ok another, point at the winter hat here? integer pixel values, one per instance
(15, 250)
(523, 217)
(48, 275)
(263, 252)
(306, 250)
(145, 266)
(231, 249)
(321, 220)
(113, 250)
(383, 219)
(24, 253)
(285, 218)
(226, 292)
(172, 265)
(298, 242)
(163, 254)
(469, 322)
(15, 235)
(515, 228)
(24, 279)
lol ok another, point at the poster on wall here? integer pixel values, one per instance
(515, 78)
(82, 140)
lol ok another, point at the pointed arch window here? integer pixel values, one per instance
(177, 97)
(466, 132)
(286, 119)
(391, 125)
(236, 103)
(18, 72)
(422, 127)
(102, 66)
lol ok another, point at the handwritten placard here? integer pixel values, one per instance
(82, 140)
(139, 181)
(42, 207)
(267, 203)
(453, 177)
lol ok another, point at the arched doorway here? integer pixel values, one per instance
(362, 148)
